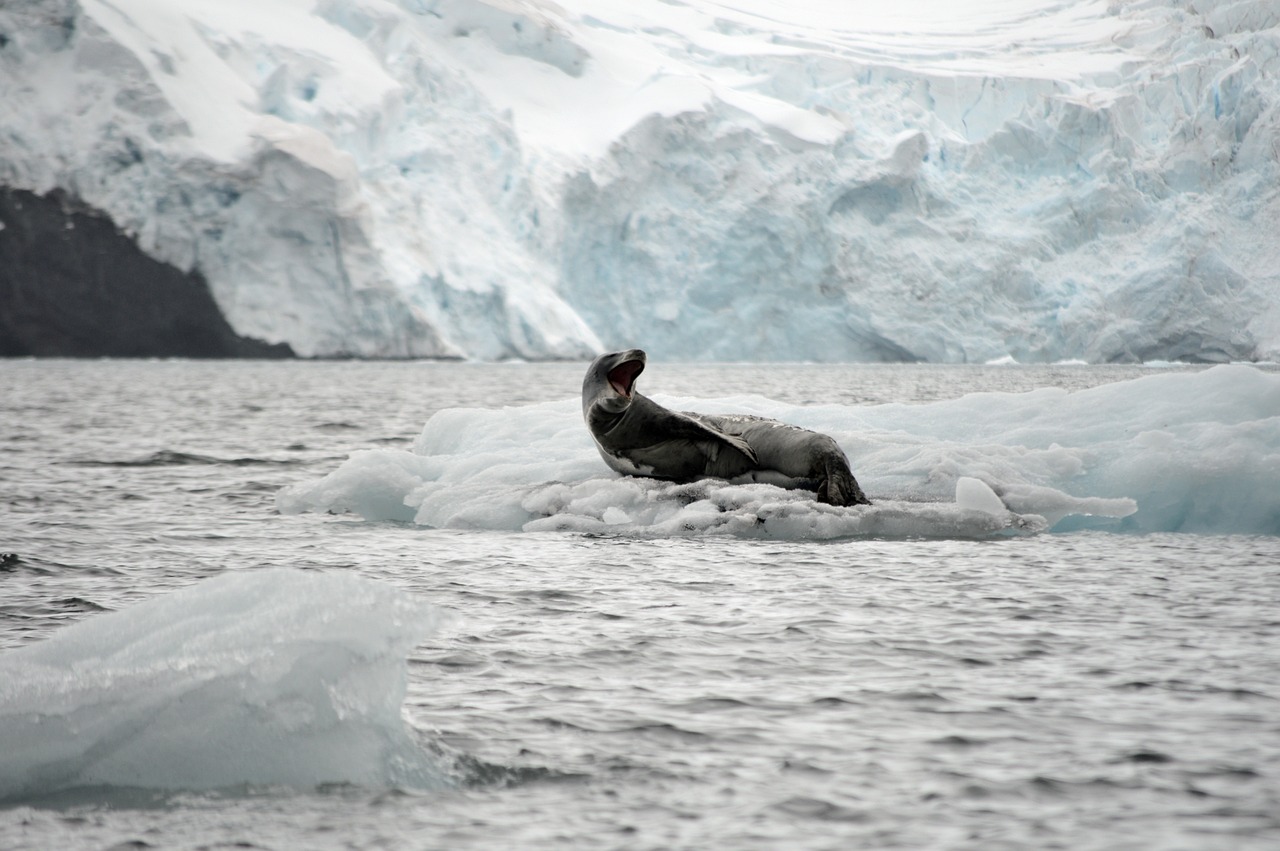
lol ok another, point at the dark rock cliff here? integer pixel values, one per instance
(73, 285)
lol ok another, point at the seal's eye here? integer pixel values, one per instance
(623, 376)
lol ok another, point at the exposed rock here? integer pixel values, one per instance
(73, 285)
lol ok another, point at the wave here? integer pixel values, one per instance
(173, 458)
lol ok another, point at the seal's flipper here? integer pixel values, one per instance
(737, 443)
(712, 430)
(838, 486)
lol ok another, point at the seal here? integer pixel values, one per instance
(638, 437)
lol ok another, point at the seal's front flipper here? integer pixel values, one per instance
(719, 437)
(712, 441)
(737, 443)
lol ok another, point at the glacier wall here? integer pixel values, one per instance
(734, 180)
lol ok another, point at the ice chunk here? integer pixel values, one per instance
(252, 677)
(975, 495)
(1194, 452)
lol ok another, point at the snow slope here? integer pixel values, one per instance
(743, 179)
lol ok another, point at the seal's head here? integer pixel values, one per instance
(610, 381)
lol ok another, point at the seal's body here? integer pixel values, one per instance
(638, 437)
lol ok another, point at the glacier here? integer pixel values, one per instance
(711, 180)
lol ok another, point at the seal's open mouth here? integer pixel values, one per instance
(623, 376)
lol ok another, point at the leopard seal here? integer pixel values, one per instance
(638, 437)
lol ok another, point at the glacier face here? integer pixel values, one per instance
(733, 180)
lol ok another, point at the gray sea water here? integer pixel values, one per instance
(1079, 690)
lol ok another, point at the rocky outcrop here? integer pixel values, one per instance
(73, 285)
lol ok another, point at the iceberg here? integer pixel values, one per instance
(264, 677)
(743, 180)
(1197, 452)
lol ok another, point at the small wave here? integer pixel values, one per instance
(822, 810)
(455, 660)
(173, 458)
(713, 704)
(1057, 786)
(80, 604)
(666, 732)
(99, 796)
(338, 426)
(10, 562)
(471, 772)
(1144, 756)
(1176, 685)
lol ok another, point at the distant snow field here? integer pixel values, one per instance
(740, 180)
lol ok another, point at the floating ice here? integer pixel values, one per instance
(1195, 452)
(263, 677)
(975, 495)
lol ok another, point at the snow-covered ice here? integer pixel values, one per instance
(711, 179)
(1180, 452)
(252, 677)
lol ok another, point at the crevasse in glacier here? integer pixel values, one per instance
(734, 180)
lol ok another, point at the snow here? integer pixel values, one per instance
(1196, 452)
(264, 677)
(710, 179)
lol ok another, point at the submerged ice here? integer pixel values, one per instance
(1197, 452)
(477, 178)
(252, 677)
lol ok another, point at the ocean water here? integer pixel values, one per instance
(1068, 689)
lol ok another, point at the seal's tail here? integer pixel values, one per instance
(838, 486)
